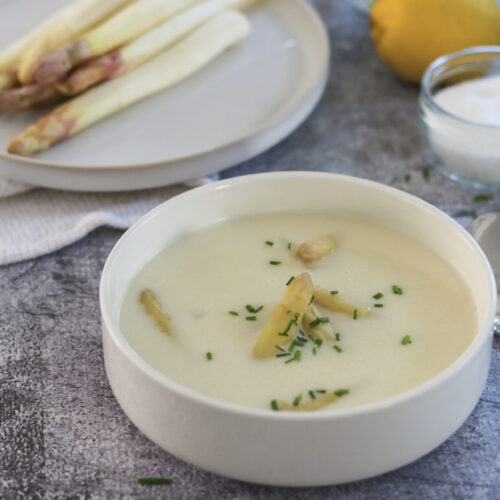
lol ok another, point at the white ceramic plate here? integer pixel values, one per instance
(246, 101)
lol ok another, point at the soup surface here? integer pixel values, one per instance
(422, 316)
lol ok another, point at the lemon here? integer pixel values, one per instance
(410, 34)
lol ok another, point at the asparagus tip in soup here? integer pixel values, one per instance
(152, 305)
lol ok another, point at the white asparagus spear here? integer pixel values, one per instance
(167, 69)
(127, 25)
(65, 26)
(11, 55)
(147, 46)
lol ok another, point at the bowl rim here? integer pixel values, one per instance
(484, 331)
(425, 92)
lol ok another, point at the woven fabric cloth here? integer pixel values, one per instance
(37, 221)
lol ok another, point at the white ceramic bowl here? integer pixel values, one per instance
(280, 448)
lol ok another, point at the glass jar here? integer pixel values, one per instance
(464, 150)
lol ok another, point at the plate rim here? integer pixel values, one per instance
(284, 114)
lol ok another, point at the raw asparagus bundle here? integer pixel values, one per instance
(125, 26)
(144, 48)
(164, 71)
(63, 27)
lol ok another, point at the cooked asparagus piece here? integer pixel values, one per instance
(142, 49)
(127, 25)
(29, 96)
(312, 405)
(12, 54)
(66, 26)
(152, 305)
(314, 250)
(318, 330)
(284, 322)
(336, 303)
(167, 69)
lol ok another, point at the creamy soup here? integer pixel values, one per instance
(216, 289)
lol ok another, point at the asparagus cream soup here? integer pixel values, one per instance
(298, 312)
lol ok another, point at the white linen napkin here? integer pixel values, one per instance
(37, 221)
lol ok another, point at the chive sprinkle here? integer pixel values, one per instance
(275, 262)
(312, 300)
(320, 391)
(341, 392)
(334, 292)
(318, 342)
(396, 290)
(291, 322)
(209, 356)
(251, 318)
(258, 309)
(337, 336)
(270, 243)
(378, 295)
(378, 305)
(426, 171)
(234, 313)
(290, 280)
(315, 350)
(289, 246)
(283, 354)
(297, 400)
(355, 314)
(274, 405)
(312, 395)
(406, 340)
(280, 348)
(407, 178)
(317, 321)
(151, 481)
(296, 357)
(483, 197)
(337, 348)
(252, 309)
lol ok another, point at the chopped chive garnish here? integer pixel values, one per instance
(318, 342)
(251, 318)
(290, 280)
(289, 246)
(274, 405)
(275, 262)
(258, 309)
(337, 348)
(234, 313)
(341, 392)
(407, 178)
(252, 309)
(406, 340)
(317, 321)
(209, 356)
(280, 348)
(302, 339)
(378, 295)
(312, 395)
(312, 299)
(298, 343)
(151, 481)
(320, 391)
(355, 314)
(282, 354)
(292, 322)
(396, 290)
(378, 305)
(297, 400)
(337, 336)
(315, 350)
(483, 197)
(426, 173)
(334, 292)
(270, 243)
(296, 357)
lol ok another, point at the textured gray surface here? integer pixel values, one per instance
(62, 433)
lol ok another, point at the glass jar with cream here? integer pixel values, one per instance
(459, 109)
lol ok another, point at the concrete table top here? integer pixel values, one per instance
(62, 433)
